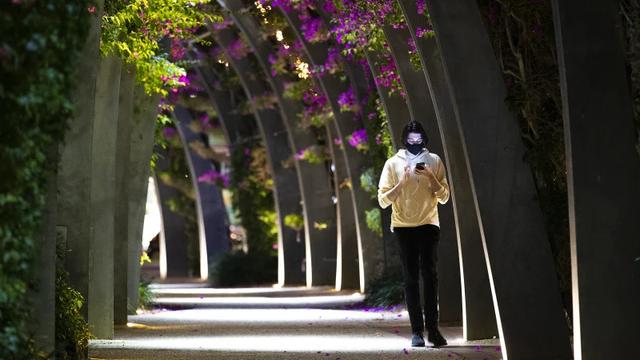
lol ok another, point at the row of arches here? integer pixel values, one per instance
(499, 278)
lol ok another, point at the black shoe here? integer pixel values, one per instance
(417, 340)
(436, 338)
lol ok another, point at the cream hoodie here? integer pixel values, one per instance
(414, 204)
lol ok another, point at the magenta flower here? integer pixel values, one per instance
(205, 121)
(313, 30)
(300, 154)
(347, 101)
(424, 32)
(177, 51)
(238, 49)
(209, 176)
(222, 25)
(212, 176)
(358, 138)
(183, 80)
(422, 6)
(169, 133)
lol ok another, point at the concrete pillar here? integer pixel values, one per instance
(395, 107)
(291, 250)
(213, 229)
(87, 190)
(370, 245)
(397, 113)
(74, 180)
(603, 172)
(145, 110)
(478, 316)
(121, 220)
(314, 180)
(527, 302)
(103, 197)
(173, 240)
(235, 127)
(421, 108)
(347, 260)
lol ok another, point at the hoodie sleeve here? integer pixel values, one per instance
(385, 185)
(443, 194)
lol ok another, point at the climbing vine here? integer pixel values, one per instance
(39, 45)
(138, 30)
(252, 188)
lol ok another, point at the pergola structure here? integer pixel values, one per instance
(497, 270)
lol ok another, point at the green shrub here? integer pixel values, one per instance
(251, 185)
(242, 269)
(369, 181)
(72, 330)
(387, 290)
(374, 220)
(145, 295)
(294, 221)
(39, 44)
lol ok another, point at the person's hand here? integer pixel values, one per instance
(430, 176)
(406, 176)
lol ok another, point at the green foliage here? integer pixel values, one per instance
(295, 90)
(384, 135)
(72, 330)
(145, 295)
(134, 30)
(251, 186)
(374, 220)
(387, 290)
(39, 44)
(294, 221)
(316, 119)
(314, 154)
(368, 181)
(243, 269)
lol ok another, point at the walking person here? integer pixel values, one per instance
(413, 182)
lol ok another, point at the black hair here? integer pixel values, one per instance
(413, 127)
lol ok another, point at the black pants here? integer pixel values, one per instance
(419, 252)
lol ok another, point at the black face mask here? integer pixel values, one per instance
(415, 149)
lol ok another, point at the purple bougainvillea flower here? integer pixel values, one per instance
(238, 49)
(358, 137)
(169, 133)
(423, 32)
(177, 51)
(210, 176)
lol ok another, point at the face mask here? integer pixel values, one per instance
(415, 149)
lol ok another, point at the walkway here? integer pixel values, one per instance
(271, 323)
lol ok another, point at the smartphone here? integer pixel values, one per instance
(420, 166)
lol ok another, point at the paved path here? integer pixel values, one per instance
(265, 323)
